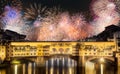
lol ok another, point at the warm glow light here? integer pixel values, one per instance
(89, 68)
(15, 62)
(70, 71)
(51, 71)
(101, 66)
(47, 67)
(29, 68)
(16, 67)
(102, 60)
(24, 69)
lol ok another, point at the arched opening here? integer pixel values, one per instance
(100, 66)
(103, 60)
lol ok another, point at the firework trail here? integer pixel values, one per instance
(105, 14)
(56, 25)
(35, 12)
(12, 20)
(11, 17)
(44, 23)
(13, 3)
(68, 28)
(74, 27)
(40, 23)
(35, 15)
(49, 31)
(117, 2)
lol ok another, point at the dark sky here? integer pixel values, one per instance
(70, 5)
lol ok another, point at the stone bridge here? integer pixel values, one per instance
(81, 51)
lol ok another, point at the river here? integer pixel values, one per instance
(59, 66)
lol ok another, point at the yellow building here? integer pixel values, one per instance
(28, 49)
(2, 53)
(97, 48)
(40, 49)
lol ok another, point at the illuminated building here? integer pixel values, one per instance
(85, 50)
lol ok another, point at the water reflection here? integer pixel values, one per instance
(64, 62)
(90, 68)
(16, 69)
(96, 68)
(101, 68)
(59, 65)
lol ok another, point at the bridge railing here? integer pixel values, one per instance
(95, 53)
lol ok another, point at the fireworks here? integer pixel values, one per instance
(49, 33)
(117, 2)
(40, 23)
(105, 15)
(12, 20)
(12, 3)
(49, 30)
(10, 16)
(45, 28)
(58, 26)
(35, 12)
(74, 27)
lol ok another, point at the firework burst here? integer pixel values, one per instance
(35, 15)
(117, 2)
(100, 6)
(74, 27)
(49, 31)
(12, 3)
(58, 26)
(40, 23)
(35, 12)
(12, 20)
(105, 15)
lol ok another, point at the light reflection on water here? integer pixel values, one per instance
(59, 66)
(92, 68)
(58, 62)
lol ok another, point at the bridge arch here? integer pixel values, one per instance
(101, 59)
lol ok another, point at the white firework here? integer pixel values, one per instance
(105, 15)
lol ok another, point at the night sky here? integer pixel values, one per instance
(58, 20)
(69, 5)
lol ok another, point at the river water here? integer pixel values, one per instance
(59, 66)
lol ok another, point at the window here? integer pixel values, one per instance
(27, 53)
(54, 49)
(109, 53)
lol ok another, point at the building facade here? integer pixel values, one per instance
(85, 50)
